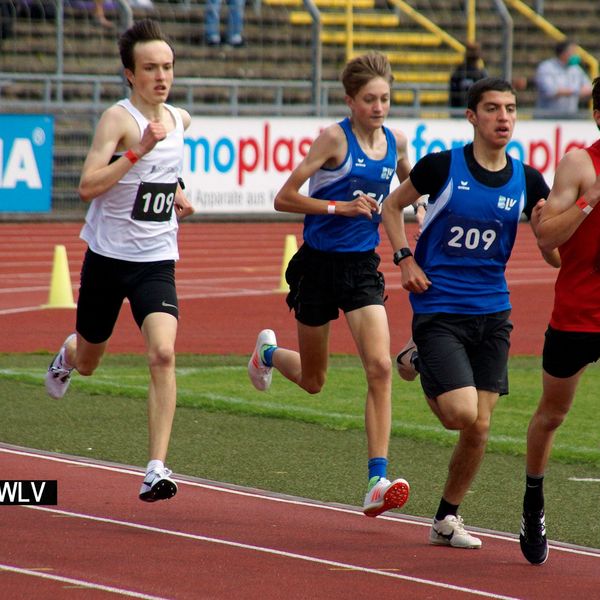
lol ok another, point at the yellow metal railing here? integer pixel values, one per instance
(424, 22)
(417, 17)
(349, 30)
(471, 22)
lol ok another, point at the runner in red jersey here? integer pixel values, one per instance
(569, 222)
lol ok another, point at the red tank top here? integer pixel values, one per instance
(577, 289)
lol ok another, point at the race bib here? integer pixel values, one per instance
(378, 190)
(154, 201)
(472, 238)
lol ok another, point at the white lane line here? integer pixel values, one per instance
(273, 552)
(396, 518)
(79, 583)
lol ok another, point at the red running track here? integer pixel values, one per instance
(214, 541)
(227, 280)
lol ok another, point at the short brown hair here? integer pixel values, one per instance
(360, 70)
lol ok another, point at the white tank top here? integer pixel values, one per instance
(135, 219)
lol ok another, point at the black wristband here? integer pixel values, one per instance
(401, 254)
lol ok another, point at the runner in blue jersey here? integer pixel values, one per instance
(349, 167)
(458, 291)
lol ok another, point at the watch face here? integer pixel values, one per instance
(400, 254)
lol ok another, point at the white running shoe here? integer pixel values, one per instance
(158, 485)
(58, 377)
(450, 531)
(261, 375)
(405, 361)
(385, 495)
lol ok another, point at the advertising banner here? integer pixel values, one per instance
(237, 165)
(26, 147)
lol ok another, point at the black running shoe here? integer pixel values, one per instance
(534, 544)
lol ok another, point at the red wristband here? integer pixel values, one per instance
(583, 205)
(331, 208)
(132, 156)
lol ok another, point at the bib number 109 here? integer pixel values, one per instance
(154, 201)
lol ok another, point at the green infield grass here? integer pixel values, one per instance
(310, 446)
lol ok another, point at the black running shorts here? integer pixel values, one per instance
(106, 282)
(322, 283)
(458, 351)
(567, 352)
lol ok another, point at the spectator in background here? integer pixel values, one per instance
(561, 83)
(7, 19)
(235, 23)
(99, 15)
(465, 75)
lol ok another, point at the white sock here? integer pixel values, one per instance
(154, 464)
(63, 359)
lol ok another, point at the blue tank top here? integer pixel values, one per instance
(466, 241)
(357, 173)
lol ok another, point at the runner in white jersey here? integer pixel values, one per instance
(131, 178)
(350, 167)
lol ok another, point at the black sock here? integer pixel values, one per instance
(534, 493)
(445, 509)
(414, 359)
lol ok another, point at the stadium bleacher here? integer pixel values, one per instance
(272, 74)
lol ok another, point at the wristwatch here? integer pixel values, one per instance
(401, 254)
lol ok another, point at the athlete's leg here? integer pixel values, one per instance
(159, 331)
(469, 450)
(456, 409)
(557, 398)
(370, 330)
(307, 367)
(83, 355)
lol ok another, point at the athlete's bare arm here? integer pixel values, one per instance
(116, 131)
(552, 257)
(329, 150)
(413, 277)
(575, 177)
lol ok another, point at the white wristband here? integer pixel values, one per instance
(331, 208)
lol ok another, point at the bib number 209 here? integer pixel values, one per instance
(473, 238)
(154, 202)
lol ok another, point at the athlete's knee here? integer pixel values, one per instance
(87, 367)
(161, 355)
(550, 419)
(458, 418)
(379, 369)
(314, 384)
